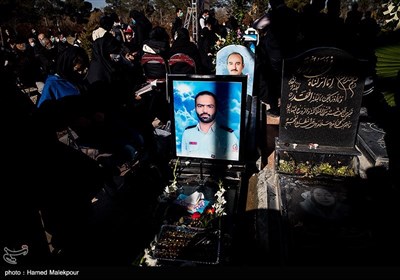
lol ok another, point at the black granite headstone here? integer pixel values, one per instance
(321, 98)
(320, 106)
(370, 140)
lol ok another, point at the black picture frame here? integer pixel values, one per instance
(230, 91)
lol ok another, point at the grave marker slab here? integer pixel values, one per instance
(320, 107)
(321, 98)
(370, 140)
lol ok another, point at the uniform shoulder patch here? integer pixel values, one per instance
(226, 128)
(191, 126)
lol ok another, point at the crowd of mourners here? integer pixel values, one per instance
(283, 31)
(94, 96)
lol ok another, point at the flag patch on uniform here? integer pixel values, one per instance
(235, 148)
(192, 143)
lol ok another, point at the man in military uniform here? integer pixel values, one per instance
(207, 139)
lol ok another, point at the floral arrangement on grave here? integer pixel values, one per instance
(311, 170)
(317, 165)
(200, 229)
(211, 216)
(203, 214)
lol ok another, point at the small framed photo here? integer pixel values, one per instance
(232, 54)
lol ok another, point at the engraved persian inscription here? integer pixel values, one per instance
(316, 96)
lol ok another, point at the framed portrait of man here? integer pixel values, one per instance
(208, 116)
(236, 60)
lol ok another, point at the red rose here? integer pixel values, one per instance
(196, 216)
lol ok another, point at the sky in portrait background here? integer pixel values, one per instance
(98, 3)
(248, 57)
(229, 95)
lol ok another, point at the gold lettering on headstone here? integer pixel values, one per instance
(318, 95)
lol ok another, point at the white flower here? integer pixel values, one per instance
(147, 257)
(219, 204)
(173, 187)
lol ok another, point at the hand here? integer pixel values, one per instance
(131, 56)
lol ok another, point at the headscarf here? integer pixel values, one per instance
(102, 67)
(67, 60)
